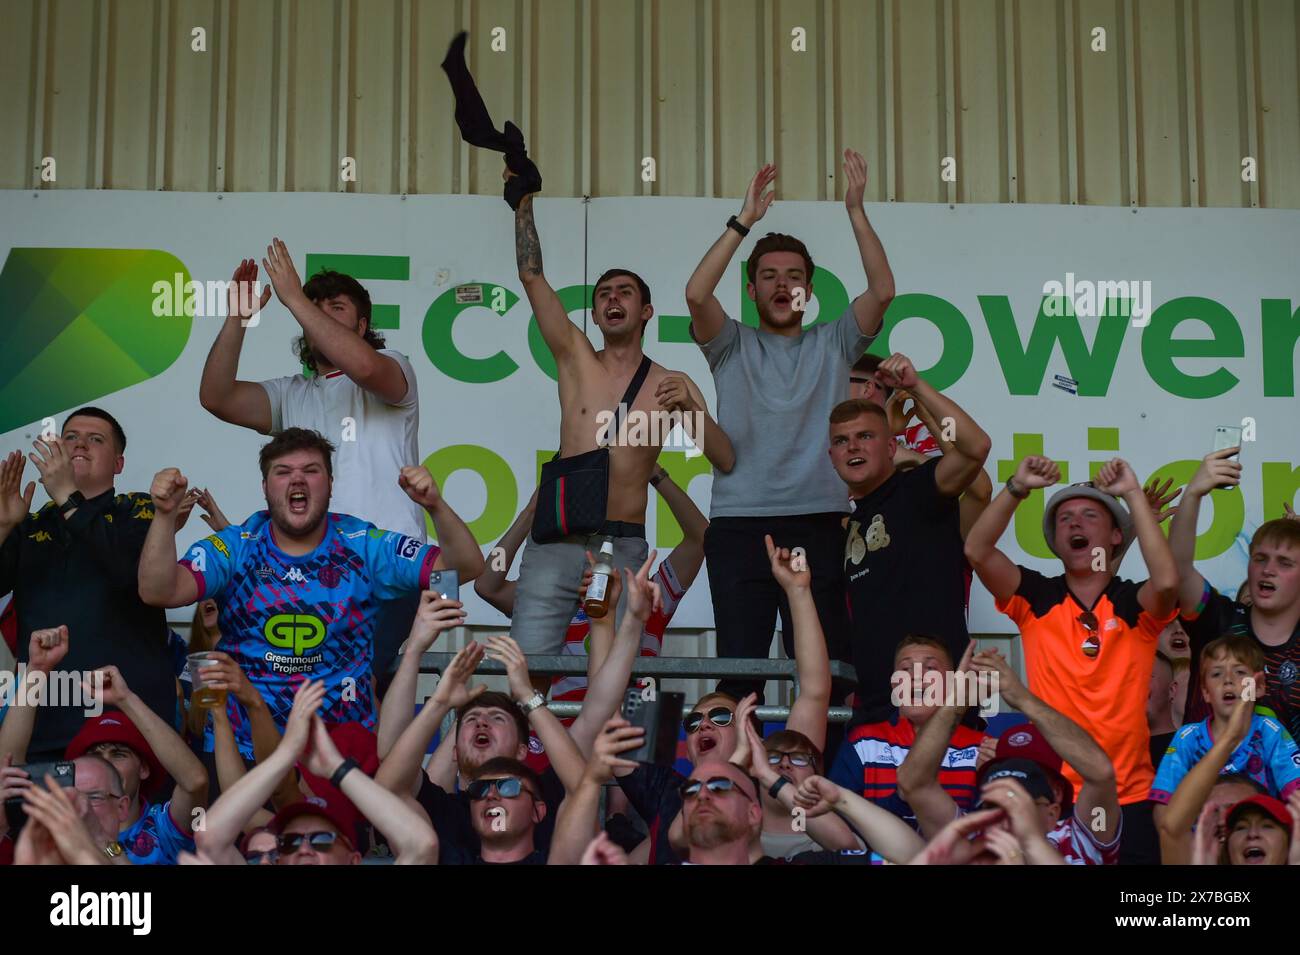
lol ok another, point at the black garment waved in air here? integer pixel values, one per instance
(477, 128)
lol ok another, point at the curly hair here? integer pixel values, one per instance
(327, 284)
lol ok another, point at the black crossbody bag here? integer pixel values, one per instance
(573, 497)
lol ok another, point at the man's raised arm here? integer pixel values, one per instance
(173, 753)
(561, 335)
(238, 804)
(163, 582)
(964, 457)
(812, 661)
(869, 307)
(706, 311)
(347, 351)
(244, 403)
(996, 571)
(1159, 595)
(1215, 470)
(1071, 742)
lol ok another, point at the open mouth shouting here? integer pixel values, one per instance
(1254, 855)
(1265, 589)
(782, 300)
(1078, 542)
(614, 314)
(706, 742)
(299, 502)
(481, 740)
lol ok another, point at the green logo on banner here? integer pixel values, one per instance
(79, 324)
(295, 632)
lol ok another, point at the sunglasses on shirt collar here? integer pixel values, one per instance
(1091, 645)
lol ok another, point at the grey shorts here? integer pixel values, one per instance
(546, 595)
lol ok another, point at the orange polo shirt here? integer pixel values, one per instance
(1105, 694)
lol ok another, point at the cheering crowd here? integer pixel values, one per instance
(850, 503)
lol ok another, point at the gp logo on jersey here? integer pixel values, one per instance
(295, 632)
(407, 547)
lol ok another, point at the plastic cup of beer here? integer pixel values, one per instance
(202, 694)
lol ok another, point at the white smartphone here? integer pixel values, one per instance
(1228, 436)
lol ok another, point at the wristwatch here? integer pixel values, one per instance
(657, 477)
(734, 223)
(1015, 490)
(74, 501)
(776, 786)
(113, 850)
(533, 703)
(345, 767)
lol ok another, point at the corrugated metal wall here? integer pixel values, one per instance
(1011, 89)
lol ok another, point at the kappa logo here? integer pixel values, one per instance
(294, 576)
(295, 632)
(40, 537)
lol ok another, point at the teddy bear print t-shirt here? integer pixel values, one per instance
(905, 573)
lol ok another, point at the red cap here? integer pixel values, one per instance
(1024, 741)
(1266, 804)
(340, 813)
(352, 740)
(112, 726)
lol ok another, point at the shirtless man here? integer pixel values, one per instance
(592, 382)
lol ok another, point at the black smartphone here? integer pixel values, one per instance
(660, 716)
(445, 583)
(64, 772)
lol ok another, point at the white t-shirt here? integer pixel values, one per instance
(373, 441)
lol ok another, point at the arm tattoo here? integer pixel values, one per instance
(528, 247)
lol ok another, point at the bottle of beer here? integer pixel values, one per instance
(597, 603)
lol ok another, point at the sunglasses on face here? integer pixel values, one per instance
(507, 788)
(796, 759)
(255, 858)
(291, 842)
(717, 785)
(718, 716)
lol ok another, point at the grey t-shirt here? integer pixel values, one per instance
(775, 396)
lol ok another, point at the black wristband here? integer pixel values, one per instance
(656, 478)
(1015, 490)
(74, 501)
(345, 767)
(776, 786)
(734, 223)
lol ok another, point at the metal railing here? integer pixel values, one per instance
(672, 668)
